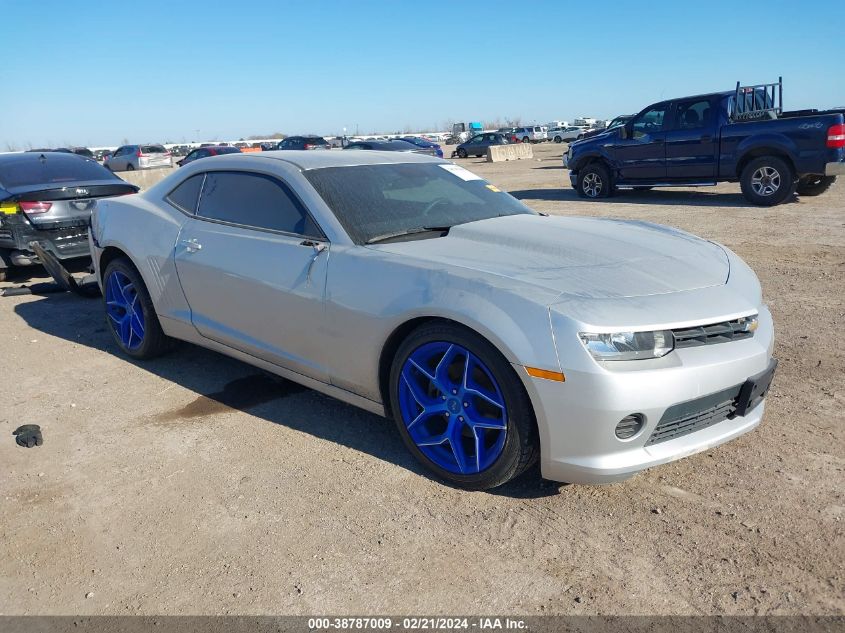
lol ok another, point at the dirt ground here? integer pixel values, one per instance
(191, 485)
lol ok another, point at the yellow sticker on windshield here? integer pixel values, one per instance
(493, 188)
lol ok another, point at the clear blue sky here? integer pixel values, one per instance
(95, 73)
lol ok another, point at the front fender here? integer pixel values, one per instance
(361, 316)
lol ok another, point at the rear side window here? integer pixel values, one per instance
(185, 196)
(254, 200)
(692, 114)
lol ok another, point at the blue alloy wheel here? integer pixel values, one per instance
(452, 407)
(123, 306)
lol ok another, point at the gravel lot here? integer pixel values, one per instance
(193, 485)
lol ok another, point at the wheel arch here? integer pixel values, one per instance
(109, 254)
(592, 157)
(404, 329)
(770, 149)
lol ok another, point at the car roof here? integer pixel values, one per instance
(306, 159)
(31, 156)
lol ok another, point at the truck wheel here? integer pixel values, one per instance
(594, 181)
(767, 181)
(814, 185)
(462, 153)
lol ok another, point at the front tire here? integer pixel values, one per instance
(767, 181)
(460, 407)
(594, 181)
(558, 139)
(814, 185)
(130, 314)
(462, 153)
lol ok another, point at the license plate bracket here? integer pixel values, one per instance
(755, 389)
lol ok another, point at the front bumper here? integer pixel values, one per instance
(834, 169)
(577, 419)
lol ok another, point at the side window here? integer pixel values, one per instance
(253, 200)
(692, 115)
(185, 195)
(649, 122)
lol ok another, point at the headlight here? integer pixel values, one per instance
(628, 345)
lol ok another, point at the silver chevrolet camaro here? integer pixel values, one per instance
(410, 287)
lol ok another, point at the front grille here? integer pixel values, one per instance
(694, 415)
(713, 333)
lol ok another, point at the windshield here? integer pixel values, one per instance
(377, 200)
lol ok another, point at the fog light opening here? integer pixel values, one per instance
(629, 426)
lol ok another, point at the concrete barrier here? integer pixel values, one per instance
(145, 178)
(514, 151)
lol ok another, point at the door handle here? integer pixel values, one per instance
(192, 246)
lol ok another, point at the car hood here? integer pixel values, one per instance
(579, 257)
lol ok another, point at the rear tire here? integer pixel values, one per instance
(767, 181)
(525, 139)
(594, 181)
(558, 139)
(814, 185)
(130, 314)
(486, 454)
(130, 167)
(3, 274)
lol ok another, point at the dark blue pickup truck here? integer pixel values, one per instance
(741, 135)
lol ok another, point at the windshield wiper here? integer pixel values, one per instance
(420, 229)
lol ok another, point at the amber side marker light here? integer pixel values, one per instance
(545, 373)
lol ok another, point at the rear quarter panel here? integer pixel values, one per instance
(146, 231)
(802, 139)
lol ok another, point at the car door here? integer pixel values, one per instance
(474, 144)
(117, 162)
(690, 143)
(642, 154)
(252, 264)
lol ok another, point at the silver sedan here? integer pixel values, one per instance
(408, 286)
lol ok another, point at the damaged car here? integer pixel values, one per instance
(403, 284)
(47, 197)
